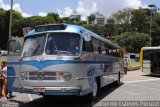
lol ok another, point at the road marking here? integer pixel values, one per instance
(135, 81)
(31, 99)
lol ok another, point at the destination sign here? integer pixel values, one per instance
(49, 28)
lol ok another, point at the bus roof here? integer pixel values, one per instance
(151, 48)
(56, 28)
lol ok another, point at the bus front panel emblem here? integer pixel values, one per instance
(40, 75)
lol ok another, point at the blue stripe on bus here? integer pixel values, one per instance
(11, 72)
(41, 65)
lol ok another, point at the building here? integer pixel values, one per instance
(1, 9)
(99, 19)
(75, 15)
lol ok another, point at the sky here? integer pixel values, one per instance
(66, 7)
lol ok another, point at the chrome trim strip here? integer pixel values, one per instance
(52, 88)
(85, 77)
(14, 77)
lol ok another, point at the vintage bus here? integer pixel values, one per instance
(63, 59)
(150, 60)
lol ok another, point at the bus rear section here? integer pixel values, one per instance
(150, 60)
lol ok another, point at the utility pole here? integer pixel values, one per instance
(151, 6)
(10, 21)
(150, 30)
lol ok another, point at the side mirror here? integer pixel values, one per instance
(14, 47)
(87, 37)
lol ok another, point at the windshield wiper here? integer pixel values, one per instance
(57, 50)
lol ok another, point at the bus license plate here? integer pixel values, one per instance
(38, 90)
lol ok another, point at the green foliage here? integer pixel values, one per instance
(98, 29)
(91, 18)
(129, 26)
(110, 27)
(53, 17)
(3, 29)
(156, 30)
(4, 26)
(140, 18)
(132, 41)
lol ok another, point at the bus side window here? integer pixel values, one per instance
(110, 52)
(96, 45)
(87, 46)
(118, 53)
(95, 48)
(103, 49)
(99, 50)
(107, 51)
(114, 52)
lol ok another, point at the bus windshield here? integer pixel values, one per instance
(34, 46)
(63, 44)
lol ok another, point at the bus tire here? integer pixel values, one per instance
(95, 91)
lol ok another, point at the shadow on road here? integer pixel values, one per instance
(64, 101)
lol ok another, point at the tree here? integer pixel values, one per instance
(91, 18)
(110, 27)
(98, 29)
(3, 34)
(67, 20)
(132, 41)
(16, 23)
(127, 20)
(123, 18)
(4, 26)
(139, 20)
(156, 29)
(53, 16)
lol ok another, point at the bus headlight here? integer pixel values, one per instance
(67, 76)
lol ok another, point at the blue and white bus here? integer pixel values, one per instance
(63, 59)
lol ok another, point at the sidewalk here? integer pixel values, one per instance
(136, 75)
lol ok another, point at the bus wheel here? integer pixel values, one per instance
(95, 89)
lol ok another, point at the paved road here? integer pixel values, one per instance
(135, 87)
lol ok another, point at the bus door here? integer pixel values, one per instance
(146, 62)
(13, 65)
(155, 59)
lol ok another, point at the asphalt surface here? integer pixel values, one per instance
(135, 86)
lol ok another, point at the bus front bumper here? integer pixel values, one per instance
(52, 90)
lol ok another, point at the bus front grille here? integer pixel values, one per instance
(45, 75)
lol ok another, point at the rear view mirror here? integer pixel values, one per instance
(14, 47)
(87, 37)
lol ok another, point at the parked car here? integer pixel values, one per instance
(3, 52)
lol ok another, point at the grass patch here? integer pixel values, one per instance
(3, 59)
(132, 63)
